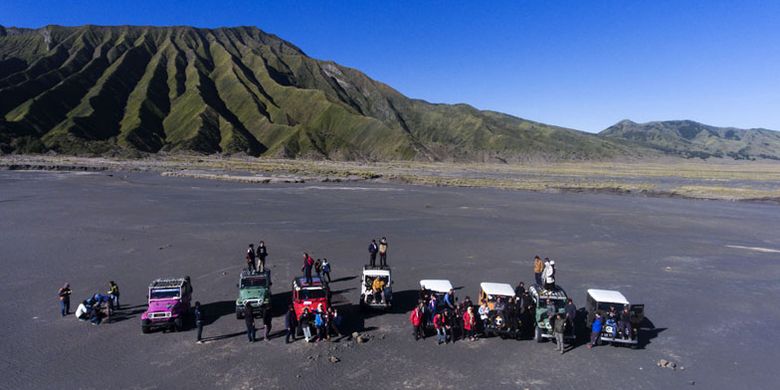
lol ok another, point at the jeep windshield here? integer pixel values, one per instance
(164, 293)
(558, 303)
(253, 282)
(604, 307)
(312, 294)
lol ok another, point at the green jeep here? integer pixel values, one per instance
(255, 288)
(543, 328)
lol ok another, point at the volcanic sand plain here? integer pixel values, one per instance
(707, 271)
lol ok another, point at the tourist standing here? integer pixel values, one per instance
(250, 257)
(373, 249)
(261, 253)
(64, 297)
(199, 321)
(383, 252)
(290, 324)
(267, 319)
(416, 319)
(249, 319)
(469, 323)
(538, 268)
(326, 268)
(308, 263)
(595, 331)
(558, 328)
(113, 292)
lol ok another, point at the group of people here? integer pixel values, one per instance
(317, 325)
(448, 318)
(320, 266)
(95, 309)
(255, 258)
(381, 249)
(619, 321)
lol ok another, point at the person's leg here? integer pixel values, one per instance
(200, 330)
(267, 331)
(62, 308)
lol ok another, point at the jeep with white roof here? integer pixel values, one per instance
(381, 299)
(500, 322)
(612, 329)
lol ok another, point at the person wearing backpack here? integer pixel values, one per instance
(308, 263)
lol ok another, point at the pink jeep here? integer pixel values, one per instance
(169, 304)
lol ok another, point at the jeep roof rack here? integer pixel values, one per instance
(168, 283)
(375, 267)
(247, 272)
(556, 293)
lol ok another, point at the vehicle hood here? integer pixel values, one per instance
(162, 305)
(252, 293)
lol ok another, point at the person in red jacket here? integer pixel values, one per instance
(440, 324)
(308, 263)
(469, 323)
(416, 318)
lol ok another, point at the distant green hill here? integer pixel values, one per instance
(92, 90)
(693, 139)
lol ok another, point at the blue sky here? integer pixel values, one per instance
(579, 64)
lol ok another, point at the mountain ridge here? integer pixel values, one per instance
(691, 139)
(147, 89)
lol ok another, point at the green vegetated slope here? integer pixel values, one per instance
(692, 139)
(93, 89)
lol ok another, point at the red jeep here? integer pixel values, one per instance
(309, 295)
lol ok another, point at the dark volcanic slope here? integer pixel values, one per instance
(91, 89)
(693, 139)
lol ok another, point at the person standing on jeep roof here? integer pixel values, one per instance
(250, 257)
(308, 263)
(549, 274)
(326, 268)
(383, 252)
(538, 268)
(373, 249)
(267, 323)
(290, 324)
(249, 319)
(199, 321)
(262, 253)
(318, 268)
(64, 296)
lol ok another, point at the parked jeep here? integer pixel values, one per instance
(382, 300)
(168, 304)
(255, 288)
(500, 322)
(309, 295)
(543, 326)
(602, 301)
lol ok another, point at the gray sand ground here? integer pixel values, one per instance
(714, 306)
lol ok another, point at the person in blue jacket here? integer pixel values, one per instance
(595, 331)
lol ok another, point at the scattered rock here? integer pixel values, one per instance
(663, 363)
(682, 368)
(363, 339)
(692, 383)
(333, 359)
(355, 335)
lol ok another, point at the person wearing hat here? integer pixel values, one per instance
(64, 296)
